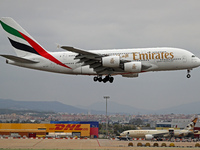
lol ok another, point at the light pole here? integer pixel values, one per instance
(106, 97)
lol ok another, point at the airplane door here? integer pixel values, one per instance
(64, 56)
(171, 132)
(184, 59)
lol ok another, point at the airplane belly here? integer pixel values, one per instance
(88, 70)
(77, 70)
(171, 65)
(84, 70)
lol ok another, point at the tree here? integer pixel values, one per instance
(136, 121)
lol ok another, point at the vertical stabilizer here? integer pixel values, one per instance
(21, 41)
(191, 125)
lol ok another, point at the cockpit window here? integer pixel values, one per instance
(193, 55)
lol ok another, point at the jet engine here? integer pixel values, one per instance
(133, 67)
(149, 137)
(111, 61)
(184, 134)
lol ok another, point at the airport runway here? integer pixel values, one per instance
(87, 144)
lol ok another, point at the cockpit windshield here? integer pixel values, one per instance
(193, 55)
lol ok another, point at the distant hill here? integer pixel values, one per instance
(95, 108)
(22, 112)
(114, 107)
(189, 108)
(39, 106)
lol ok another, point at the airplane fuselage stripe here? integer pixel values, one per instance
(11, 30)
(23, 47)
(42, 52)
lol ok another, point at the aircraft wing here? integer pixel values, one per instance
(89, 58)
(94, 61)
(79, 51)
(160, 134)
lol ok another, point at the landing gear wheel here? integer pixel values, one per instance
(188, 75)
(99, 79)
(95, 79)
(111, 79)
(106, 79)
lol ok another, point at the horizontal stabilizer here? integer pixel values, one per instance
(19, 59)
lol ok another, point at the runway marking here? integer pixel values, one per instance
(37, 143)
(98, 143)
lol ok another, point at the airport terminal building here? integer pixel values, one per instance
(178, 124)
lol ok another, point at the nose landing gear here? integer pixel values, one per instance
(188, 73)
(106, 79)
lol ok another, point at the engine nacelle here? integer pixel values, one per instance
(183, 134)
(111, 61)
(133, 67)
(196, 131)
(149, 137)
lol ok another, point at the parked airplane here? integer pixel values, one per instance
(150, 134)
(125, 62)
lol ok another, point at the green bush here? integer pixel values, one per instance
(197, 145)
(155, 145)
(163, 145)
(139, 144)
(147, 145)
(130, 144)
(171, 145)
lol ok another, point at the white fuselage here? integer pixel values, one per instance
(142, 133)
(154, 133)
(159, 59)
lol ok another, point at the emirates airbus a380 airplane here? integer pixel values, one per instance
(99, 63)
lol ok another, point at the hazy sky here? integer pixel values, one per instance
(105, 24)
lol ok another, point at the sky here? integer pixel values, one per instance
(105, 24)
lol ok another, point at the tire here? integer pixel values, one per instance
(111, 79)
(188, 75)
(95, 79)
(100, 79)
(105, 80)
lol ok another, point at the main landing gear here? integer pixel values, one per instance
(188, 73)
(106, 79)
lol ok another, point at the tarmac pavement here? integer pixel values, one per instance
(91, 144)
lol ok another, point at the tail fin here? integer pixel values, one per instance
(192, 124)
(24, 44)
(21, 41)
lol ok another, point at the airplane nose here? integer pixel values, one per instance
(198, 62)
(121, 134)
